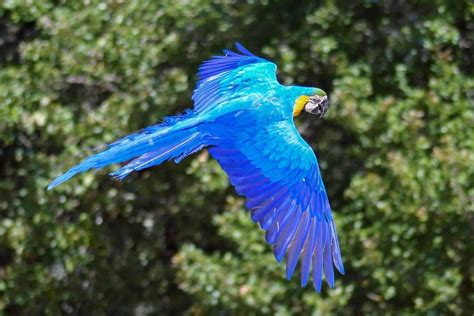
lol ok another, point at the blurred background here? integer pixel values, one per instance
(396, 152)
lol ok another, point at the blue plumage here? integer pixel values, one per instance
(151, 141)
(245, 119)
(231, 60)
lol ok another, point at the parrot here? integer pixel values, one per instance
(244, 118)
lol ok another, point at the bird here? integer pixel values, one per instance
(244, 118)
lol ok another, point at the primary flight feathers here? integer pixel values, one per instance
(244, 117)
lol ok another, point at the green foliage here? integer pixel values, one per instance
(396, 152)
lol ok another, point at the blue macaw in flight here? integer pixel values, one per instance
(244, 117)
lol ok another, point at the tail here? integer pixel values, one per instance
(176, 138)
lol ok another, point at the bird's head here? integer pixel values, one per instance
(315, 103)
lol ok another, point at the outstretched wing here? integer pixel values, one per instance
(278, 173)
(222, 78)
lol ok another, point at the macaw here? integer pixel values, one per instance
(244, 117)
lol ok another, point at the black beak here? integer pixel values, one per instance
(317, 105)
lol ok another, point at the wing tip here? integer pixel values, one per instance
(340, 268)
(243, 50)
(318, 286)
(304, 282)
(279, 256)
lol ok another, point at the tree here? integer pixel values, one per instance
(396, 153)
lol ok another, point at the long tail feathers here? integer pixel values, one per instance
(175, 139)
(178, 150)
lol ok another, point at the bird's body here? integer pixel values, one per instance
(244, 117)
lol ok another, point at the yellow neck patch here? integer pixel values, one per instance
(299, 105)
